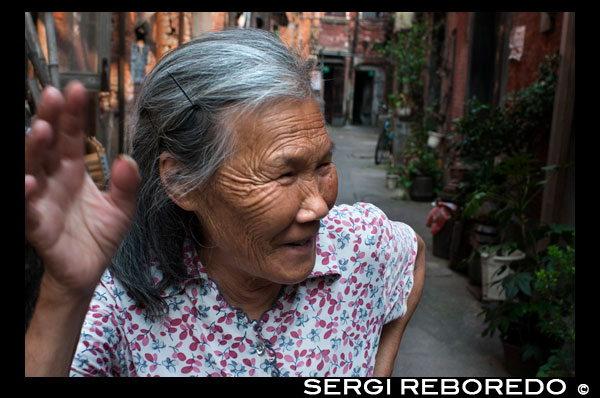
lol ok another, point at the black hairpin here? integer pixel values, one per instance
(195, 106)
(144, 110)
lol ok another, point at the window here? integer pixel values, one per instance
(372, 15)
(83, 41)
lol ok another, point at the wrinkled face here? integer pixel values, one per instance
(261, 214)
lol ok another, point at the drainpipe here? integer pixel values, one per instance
(181, 28)
(350, 98)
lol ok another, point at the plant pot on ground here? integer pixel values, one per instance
(494, 268)
(526, 316)
(514, 362)
(421, 189)
(391, 181)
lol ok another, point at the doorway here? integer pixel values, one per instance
(362, 107)
(333, 93)
(483, 50)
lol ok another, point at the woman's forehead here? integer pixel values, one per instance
(282, 127)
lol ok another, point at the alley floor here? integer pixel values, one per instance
(443, 338)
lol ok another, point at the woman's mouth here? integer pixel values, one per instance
(300, 242)
(301, 245)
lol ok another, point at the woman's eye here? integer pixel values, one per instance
(324, 166)
(286, 177)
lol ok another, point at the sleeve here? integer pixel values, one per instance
(100, 350)
(396, 255)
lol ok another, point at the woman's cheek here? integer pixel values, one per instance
(266, 211)
(330, 187)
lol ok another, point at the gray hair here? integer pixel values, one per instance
(187, 106)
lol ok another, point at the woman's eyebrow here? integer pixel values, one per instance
(286, 159)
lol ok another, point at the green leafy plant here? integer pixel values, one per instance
(483, 135)
(407, 52)
(538, 313)
(531, 315)
(419, 159)
(555, 285)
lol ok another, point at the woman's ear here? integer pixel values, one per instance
(170, 166)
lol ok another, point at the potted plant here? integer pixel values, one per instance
(515, 183)
(407, 51)
(536, 321)
(483, 136)
(422, 169)
(554, 285)
(511, 268)
(421, 161)
(392, 174)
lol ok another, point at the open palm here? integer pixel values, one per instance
(75, 227)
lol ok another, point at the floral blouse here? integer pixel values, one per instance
(327, 325)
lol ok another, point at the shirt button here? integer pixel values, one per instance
(260, 347)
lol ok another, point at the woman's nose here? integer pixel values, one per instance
(313, 207)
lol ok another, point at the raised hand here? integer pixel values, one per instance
(74, 227)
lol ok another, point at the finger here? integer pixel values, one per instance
(124, 184)
(31, 213)
(51, 103)
(71, 121)
(37, 145)
(49, 109)
(30, 186)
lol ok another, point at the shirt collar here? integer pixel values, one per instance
(195, 270)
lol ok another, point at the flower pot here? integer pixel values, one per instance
(391, 181)
(434, 139)
(443, 239)
(403, 112)
(421, 189)
(514, 363)
(474, 271)
(485, 211)
(485, 234)
(490, 268)
(458, 172)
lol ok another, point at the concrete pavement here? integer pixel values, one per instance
(443, 338)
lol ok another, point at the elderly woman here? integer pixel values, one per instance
(223, 253)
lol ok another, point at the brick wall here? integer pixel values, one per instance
(297, 34)
(537, 45)
(219, 20)
(459, 76)
(369, 33)
(335, 36)
(520, 73)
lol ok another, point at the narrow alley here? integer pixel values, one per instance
(482, 110)
(443, 338)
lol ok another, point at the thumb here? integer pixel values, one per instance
(125, 181)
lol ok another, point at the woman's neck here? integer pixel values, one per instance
(252, 294)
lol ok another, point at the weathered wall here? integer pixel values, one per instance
(536, 46)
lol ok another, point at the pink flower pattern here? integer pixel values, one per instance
(328, 325)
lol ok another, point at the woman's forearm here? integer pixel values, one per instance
(53, 332)
(391, 333)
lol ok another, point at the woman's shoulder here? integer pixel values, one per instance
(363, 227)
(110, 296)
(356, 215)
